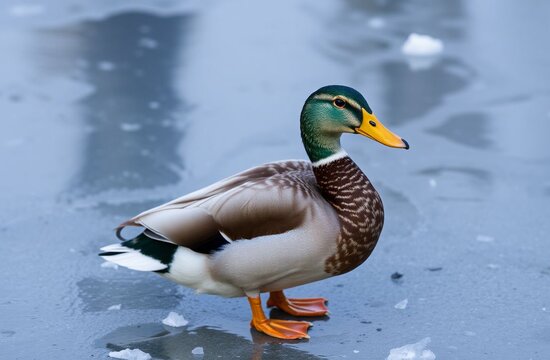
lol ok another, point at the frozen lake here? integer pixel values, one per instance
(109, 108)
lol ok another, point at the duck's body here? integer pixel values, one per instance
(272, 227)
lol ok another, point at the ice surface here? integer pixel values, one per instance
(109, 265)
(106, 66)
(26, 10)
(130, 127)
(130, 354)
(175, 320)
(402, 304)
(485, 238)
(115, 307)
(148, 43)
(422, 45)
(197, 351)
(377, 23)
(416, 351)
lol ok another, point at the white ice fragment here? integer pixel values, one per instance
(130, 354)
(543, 309)
(26, 10)
(493, 266)
(402, 304)
(106, 66)
(197, 351)
(175, 320)
(421, 45)
(377, 23)
(485, 238)
(432, 182)
(148, 43)
(109, 265)
(114, 307)
(356, 351)
(130, 127)
(415, 351)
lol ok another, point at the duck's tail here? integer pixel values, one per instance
(141, 253)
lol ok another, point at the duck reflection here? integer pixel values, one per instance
(130, 59)
(172, 343)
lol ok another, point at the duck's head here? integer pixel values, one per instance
(333, 110)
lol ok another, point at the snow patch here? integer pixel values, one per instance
(175, 320)
(197, 351)
(421, 45)
(114, 307)
(130, 354)
(416, 351)
(402, 304)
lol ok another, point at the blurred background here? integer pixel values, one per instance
(111, 107)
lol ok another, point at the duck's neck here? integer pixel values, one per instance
(358, 206)
(319, 146)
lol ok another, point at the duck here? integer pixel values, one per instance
(275, 226)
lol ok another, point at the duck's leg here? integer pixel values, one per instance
(298, 307)
(282, 329)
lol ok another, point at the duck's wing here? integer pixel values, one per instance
(265, 200)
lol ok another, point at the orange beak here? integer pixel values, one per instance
(372, 128)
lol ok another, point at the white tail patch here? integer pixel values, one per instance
(131, 258)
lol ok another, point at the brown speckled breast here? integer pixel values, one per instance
(359, 210)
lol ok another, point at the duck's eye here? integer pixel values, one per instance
(339, 103)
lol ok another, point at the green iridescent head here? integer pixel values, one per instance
(333, 110)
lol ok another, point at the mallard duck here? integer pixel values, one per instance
(274, 226)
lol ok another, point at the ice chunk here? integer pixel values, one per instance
(415, 351)
(421, 45)
(109, 265)
(402, 304)
(433, 183)
(197, 351)
(175, 320)
(356, 351)
(485, 238)
(130, 354)
(114, 307)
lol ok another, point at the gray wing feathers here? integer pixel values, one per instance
(264, 200)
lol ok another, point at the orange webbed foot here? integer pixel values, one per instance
(298, 307)
(282, 329)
